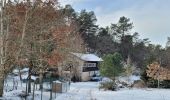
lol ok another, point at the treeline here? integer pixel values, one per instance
(122, 50)
(118, 37)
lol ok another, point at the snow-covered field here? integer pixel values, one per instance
(90, 91)
(13, 94)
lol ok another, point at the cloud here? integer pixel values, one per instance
(71, 2)
(151, 20)
(98, 9)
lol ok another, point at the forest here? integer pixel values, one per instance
(41, 35)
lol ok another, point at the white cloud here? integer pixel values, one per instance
(98, 9)
(151, 20)
(71, 2)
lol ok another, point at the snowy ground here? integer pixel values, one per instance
(11, 93)
(90, 91)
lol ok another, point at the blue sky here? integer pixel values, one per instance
(151, 18)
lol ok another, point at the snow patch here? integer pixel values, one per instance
(87, 57)
(129, 80)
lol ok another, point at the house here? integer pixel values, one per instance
(82, 66)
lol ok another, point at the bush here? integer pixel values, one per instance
(139, 84)
(154, 83)
(151, 83)
(165, 84)
(108, 86)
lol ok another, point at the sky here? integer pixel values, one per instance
(151, 18)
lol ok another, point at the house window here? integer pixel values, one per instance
(90, 67)
(87, 69)
(89, 64)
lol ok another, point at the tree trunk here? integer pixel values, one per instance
(29, 80)
(20, 76)
(41, 79)
(29, 77)
(41, 82)
(33, 91)
(1, 86)
(1, 50)
(51, 86)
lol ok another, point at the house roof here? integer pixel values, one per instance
(87, 57)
